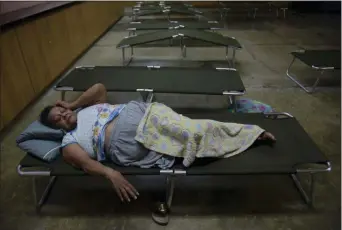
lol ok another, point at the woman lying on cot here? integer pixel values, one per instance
(140, 134)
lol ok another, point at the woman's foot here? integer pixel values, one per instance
(266, 136)
(160, 215)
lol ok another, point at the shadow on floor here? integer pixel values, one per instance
(233, 195)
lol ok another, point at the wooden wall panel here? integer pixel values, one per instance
(56, 44)
(102, 16)
(51, 36)
(16, 89)
(89, 14)
(35, 53)
(76, 29)
(117, 9)
(34, 56)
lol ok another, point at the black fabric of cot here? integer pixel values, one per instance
(166, 25)
(158, 7)
(171, 11)
(163, 80)
(148, 7)
(185, 10)
(293, 147)
(163, 20)
(206, 36)
(60, 168)
(212, 37)
(320, 58)
(175, 42)
(149, 12)
(181, 63)
(169, 3)
(146, 38)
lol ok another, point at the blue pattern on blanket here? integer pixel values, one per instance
(250, 106)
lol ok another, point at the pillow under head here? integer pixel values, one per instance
(41, 141)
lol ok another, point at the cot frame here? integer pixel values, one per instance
(148, 94)
(132, 30)
(183, 49)
(311, 89)
(137, 7)
(306, 194)
(167, 12)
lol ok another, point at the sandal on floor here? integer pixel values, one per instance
(160, 215)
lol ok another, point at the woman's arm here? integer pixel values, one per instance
(94, 95)
(76, 156)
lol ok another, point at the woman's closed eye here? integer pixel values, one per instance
(56, 118)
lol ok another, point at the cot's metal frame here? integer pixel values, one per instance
(148, 94)
(307, 194)
(167, 12)
(132, 30)
(183, 49)
(313, 87)
(188, 7)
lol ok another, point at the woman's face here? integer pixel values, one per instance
(63, 118)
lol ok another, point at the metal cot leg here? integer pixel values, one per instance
(144, 95)
(182, 47)
(284, 12)
(147, 96)
(63, 95)
(255, 12)
(308, 198)
(123, 56)
(313, 88)
(45, 194)
(234, 103)
(233, 59)
(292, 77)
(184, 51)
(227, 52)
(170, 187)
(131, 58)
(232, 100)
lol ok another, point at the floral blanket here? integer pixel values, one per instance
(167, 132)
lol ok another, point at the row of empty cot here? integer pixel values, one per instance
(222, 8)
(183, 36)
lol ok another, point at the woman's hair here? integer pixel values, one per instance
(44, 117)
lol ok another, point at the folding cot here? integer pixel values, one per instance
(154, 79)
(150, 5)
(166, 12)
(184, 36)
(317, 59)
(139, 7)
(251, 8)
(290, 155)
(205, 25)
(161, 3)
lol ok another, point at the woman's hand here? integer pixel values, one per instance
(64, 104)
(123, 188)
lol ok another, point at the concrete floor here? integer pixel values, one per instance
(262, 202)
